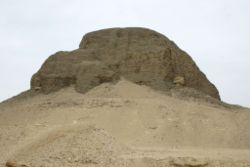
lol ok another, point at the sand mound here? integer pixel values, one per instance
(122, 124)
(137, 54)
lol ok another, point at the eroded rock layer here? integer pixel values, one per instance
(137, 54)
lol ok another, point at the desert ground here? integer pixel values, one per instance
(122, 124)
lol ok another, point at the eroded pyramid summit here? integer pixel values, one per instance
(140, 55)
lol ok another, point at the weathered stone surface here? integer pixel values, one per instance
(91, 74)
(137, 54)
(179, 81)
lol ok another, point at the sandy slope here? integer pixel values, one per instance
(121, 125)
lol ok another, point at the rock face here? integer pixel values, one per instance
(137, 54)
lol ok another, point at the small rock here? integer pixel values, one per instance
(189, 162)
(179, 81)
(11, 163)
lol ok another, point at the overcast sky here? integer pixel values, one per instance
(216, 33)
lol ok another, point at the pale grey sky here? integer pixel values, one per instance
(216, 33)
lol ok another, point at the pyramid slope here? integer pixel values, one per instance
(140, 55)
